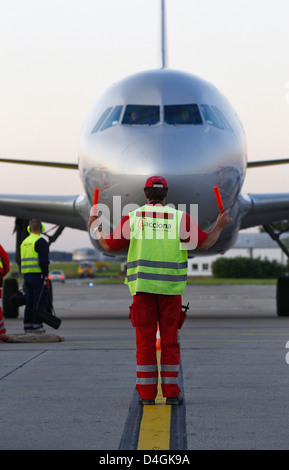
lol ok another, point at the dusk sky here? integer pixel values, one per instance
(58, 56)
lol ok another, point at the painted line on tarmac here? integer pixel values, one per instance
(232, 341)
(203, 333)
(74, 340)
(155, 427)
(154, 433)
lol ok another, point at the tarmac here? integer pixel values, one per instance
(77, 394)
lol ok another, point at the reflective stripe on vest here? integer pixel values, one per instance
(157, 261)
(29, 257)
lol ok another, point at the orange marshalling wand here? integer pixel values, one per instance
(95, 202)
(158, 340)
(219, 199)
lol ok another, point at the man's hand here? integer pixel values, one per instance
(96, 232)
(92, 219)
(46, 281)
(94, 224)
(223, 220)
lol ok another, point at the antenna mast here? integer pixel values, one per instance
(163, 36)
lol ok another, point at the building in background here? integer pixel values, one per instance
(248, 245)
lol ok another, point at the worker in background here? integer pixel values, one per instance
(34, 252)
(155, 236)
(4, 269)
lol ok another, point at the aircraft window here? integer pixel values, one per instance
(113, 118)
(141, 114)
(183, 114)
(101, 120)
(210, 117)
(222, 118)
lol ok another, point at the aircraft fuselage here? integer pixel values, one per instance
(169, 123)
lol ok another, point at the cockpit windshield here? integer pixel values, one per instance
(113, 118)
(101, 120)
(210, 116)
(215, 117)
(182, 114)
(222, 118)
(141, 114)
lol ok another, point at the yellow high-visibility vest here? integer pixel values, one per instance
(157, 261)
(29, 257)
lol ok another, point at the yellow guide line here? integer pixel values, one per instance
(155, 425)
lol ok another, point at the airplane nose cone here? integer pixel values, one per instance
(162, 153)
(143, 156)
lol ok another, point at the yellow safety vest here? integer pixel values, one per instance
(157, 261)
(29, 257)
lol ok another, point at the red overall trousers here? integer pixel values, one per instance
(146, 312)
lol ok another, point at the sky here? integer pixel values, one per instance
(58, 56)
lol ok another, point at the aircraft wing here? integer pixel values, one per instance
(65, 211)
(260, 163)
(66, 166)
(262, 209)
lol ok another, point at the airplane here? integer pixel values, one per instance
(159, 122)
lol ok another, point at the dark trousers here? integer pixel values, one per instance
(33, 286)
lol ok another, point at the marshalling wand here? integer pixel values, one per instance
(219, 199)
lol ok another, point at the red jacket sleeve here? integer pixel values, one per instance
(119, 239)
(5, 261)
(191, 233)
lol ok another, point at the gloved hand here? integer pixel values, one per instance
(46, 281)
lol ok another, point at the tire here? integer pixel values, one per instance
(282, 296)
(10, 309)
